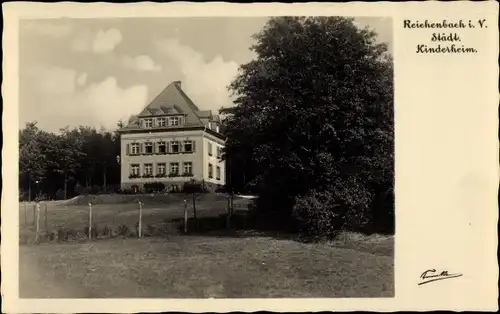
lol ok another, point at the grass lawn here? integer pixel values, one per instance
(202, 267)
(218, 265)
(118, 210)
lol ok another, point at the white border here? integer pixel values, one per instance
(446, 159)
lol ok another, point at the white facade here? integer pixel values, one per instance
(198, 162)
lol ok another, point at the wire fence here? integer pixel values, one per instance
(52, 221)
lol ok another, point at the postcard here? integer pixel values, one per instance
(218, 157)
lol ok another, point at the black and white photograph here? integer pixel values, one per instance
(206, 157)
(221, 157)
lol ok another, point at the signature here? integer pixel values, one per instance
(432, 275)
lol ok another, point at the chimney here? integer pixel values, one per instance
(178, 83)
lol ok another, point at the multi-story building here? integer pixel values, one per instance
(172, 141)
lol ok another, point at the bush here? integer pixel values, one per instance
(154, 187)
(126, 191)
(318, 214)
(62, 235)
(112, 188)
(123, 231)
(150, 231)
(106, 231)
(95, 189)
(344, 206)
(79, 189)
(60, 194)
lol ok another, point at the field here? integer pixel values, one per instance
(113, 211)
(233, 265)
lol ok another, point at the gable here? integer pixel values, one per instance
(173, 100)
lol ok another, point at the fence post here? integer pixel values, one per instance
(185, 216)
(25, 213)
(46, 223)
(34, 213)
(90, 221)
(140, 220)
(37, 206)
(228, 217)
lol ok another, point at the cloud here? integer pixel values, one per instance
(82, 41)
(102, 103)
(49, 28)
(205, 82)
(101, 42)
(140, 63)
(81, 79)
(105, 41)
(53, 80)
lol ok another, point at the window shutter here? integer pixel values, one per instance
(141, 148)
(155, 147)
(167, 147)
(128, 149)
(181, 146)
(193, 146)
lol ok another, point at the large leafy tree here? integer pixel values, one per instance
(31, 157)
(314, 114)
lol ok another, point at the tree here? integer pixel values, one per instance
(68, 153)
(314, 112)
(31, 157)
(76, 160)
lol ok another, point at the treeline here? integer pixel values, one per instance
(312, 129)
(75, 161)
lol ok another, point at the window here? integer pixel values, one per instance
(148, 123)
(219, 152)
(160, 122)
(134, 170)
(210, 171)
(148, 169)
(175, 147)
(188, 168)
(148, 148)
(217, 173)
(188, 146)
(160, 169)
(162, 147)
(135, 148)
(209, 149)
(174, 121)
(174, 168)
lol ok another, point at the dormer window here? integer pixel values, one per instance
(148, 123)
(174, 121)
(160, 122)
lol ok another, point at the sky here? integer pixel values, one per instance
(95, 72)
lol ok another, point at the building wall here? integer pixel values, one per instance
(213, 160)
(126, 160)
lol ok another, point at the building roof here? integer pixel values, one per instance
(173, 100)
